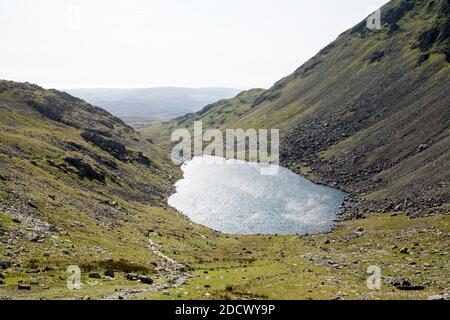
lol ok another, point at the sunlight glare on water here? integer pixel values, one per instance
(234, 197)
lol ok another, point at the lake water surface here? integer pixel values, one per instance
(234, 197)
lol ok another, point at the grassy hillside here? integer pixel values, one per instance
(78, 187)
(368, 114)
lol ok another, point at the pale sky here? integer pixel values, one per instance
(190, 43)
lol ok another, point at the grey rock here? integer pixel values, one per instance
(132, 277)
(146, 280)
(24, 287)
(109, 273)
(405, 284)
(422, 147)
(5, 264)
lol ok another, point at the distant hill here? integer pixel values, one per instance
(213, 115)
(150, 105)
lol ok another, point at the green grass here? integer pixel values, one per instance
(292, 267)
(259, 267)
(81, 225)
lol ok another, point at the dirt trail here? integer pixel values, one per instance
(169, 269)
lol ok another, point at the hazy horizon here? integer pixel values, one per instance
(172, 43)
(145, 87)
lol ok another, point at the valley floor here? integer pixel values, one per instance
(412, 254)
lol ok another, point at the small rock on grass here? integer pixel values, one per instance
(5, 265)
(132, 277)
(146, 280)
(404, 250)
(24, 287)
(410, 287)
(95, 275)
(405, 284)
(109, 273)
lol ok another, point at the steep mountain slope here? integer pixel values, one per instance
(85, 141)
(79, 187)
(370, 113)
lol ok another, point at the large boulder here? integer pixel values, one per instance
(85, 170)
